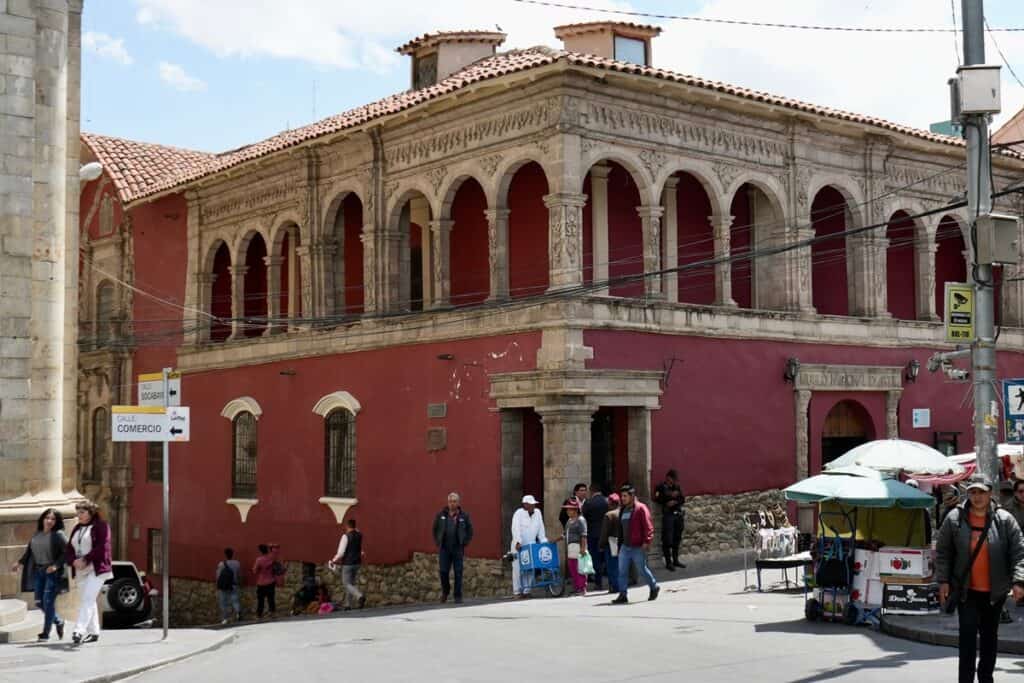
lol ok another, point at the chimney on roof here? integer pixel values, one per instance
(618, 40)
(436, 56)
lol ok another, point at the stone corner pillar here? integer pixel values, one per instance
(562, 348)
(892, 422)
(497, 253)
(565, 239)
(670, 245)
(650, 221)
(924, 255)
(599, 217)
(566, 454)
(721, 231)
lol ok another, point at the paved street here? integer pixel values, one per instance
(705, 629)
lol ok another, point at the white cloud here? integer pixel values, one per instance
(106, 46)
(175, 76)
(901, 77)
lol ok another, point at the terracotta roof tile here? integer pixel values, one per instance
(585, 26)
(431, 39)
(142, 170)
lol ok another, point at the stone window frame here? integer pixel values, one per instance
(232, 410)
(103, 326)
(329, 405)
(100, 433)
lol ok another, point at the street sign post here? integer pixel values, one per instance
(151, 389)
(149, 423)
(1013, 399)
(959, 312)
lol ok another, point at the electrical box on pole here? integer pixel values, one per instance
(979, 89)
(998, 237)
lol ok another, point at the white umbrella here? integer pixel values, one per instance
(1002, 450)
(897, 454)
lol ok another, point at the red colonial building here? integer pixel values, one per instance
(534, 267)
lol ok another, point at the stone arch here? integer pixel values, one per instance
(614, 242)
(905, 238)
(452, 188)
(847, 424)
(242, 242)
(831, 216)
(217, 291)
(497, 190)
(703, 172)
(754, 218)
(344, 221)
(952, 255)
(335, 400)
(522, 184)
(412, 289)
(242, 404)
(691, 201)
(282, 222)
(211, 252)
(464, 212)
(338, 195)
(628, 160)
(408, 189)
(852, 194)
(251, 311)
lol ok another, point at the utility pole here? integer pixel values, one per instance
(979, 203)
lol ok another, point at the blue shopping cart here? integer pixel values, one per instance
(541, 560)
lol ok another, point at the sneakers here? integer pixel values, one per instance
(223, 622)
(654, 593)
(42, 638)
(90, 638)
(76, 638)
(60, 630)
(621, 600)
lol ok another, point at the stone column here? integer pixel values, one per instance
(565, 239)
(440, 234)
(800, 292)
(566, 455)
(204, 286)
(639, 451)
(867, 291)
(721, 227)
(924, 254)
(803, 403)
(670, 245)
(299, 280)
(273, 263)
(196, 298)
(599, 223)
(371, 270)
(511, 468)
(650, 219)
(497, 252)
(892, 422)
(237, 301)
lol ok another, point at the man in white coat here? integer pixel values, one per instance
(527, 528)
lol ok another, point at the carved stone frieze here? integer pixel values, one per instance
(588, 145)
(803, 188)
(436, 176)
(527, 119)
(925, 180)
(389, 189)
(260, 197)
(489, 164)
(653, 161)
(727, 174)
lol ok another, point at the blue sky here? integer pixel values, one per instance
(218, 74)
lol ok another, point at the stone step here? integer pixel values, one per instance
(25, 630)
(12, 611)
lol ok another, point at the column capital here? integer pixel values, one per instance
(206, 278)
(672, 182)
(238, 271)
(721, 220)
(497, 214)
(273, 261)
(599, 172)
(441, 224)
(650, 211)
(564, 199)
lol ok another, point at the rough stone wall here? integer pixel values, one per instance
(714, 523)
(195, 602)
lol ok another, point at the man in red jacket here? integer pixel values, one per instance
(636, 534)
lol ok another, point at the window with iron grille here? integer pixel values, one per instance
(100, 439)
(340, 454)
(155, 461)
(243, 466)
(104, 313)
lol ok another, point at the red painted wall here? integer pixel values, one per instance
(899, 262)
(353, 211)
(399, 483)
(528, 232)
(950, 265)
(696, 241)
(828, 270)
(470, 272)
(625, 232)
(740, 241)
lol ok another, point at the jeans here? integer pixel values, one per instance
(88, 621)
(266, 594)
(979, 621)
(611, 563)
(349, 572)
(672, 524)
(46, 587)
(449, 559)
(228, 601)
(629, 555)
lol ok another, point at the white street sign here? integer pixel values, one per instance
(151, 389)
(149, 423)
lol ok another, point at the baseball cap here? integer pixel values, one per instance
(530, 500)
(979, 481)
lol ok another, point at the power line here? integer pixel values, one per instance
(1000, 51)
(758, 24)
(956, 43)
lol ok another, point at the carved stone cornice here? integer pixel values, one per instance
(825, 377)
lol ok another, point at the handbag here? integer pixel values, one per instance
(958, 592)
(572, 551)
(586, 564)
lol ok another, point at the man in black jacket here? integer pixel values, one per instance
(453, 531)
(670, 496)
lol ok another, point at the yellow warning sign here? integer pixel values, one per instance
(959, 312)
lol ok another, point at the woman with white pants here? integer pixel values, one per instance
(88, 552)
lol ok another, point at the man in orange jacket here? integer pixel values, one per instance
(637, 534)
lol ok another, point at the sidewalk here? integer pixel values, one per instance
(118, 654)
(942, 629)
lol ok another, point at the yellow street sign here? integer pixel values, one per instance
(959, 312)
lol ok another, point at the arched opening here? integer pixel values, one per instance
(220, 295)
(625, 233)
(340, 454)
(847, 426)
(527, 231)
(289, 285)
(829, 216)
(347, 267)
(415, 254)
(254, 295)
(900, 279)
(696, 241)
(470, 271)
(950, 263)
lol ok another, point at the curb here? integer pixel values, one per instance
(120, 675)
(1006, 646)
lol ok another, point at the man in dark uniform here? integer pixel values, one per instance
(453, 531)
(670, 497)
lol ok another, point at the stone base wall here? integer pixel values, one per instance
(714, 523)
(194, 602)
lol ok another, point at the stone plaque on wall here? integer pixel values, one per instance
(437, 439)
(437, 410)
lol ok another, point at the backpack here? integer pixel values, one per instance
(225, 578)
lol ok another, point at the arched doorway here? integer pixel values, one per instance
(847, 426)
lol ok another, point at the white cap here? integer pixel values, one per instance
(528, 499)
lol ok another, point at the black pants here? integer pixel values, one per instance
(450, 559)
(672, 524)
(979, 630)
(265, 594)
